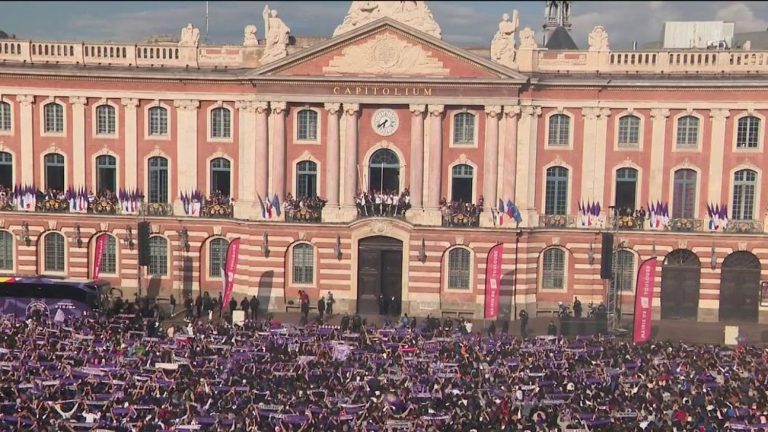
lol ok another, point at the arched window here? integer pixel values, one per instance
(553, 269)
(158, 256)
(217, 257)
(384, 171)
(306, 179)
(109, 256)
(158, 121)
(629, 131)
(462, 179)
(54, 171)
(556, 194)
(464, 129)
(221, 123)
(306, 125)
(53, 120)
(559, 130)
(459, 268)
(54, 252)
(624, 270)
(684, 194)
(6, 170)
(748, 132)
(5, 116)
(220, 176)
(744, 189)
(626, 189)
(105, 120)
(303, 263)
(687, 131)
(106, 173)
(6, 251)
(158, 179)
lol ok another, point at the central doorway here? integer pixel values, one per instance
(680, 281)
(379, 275)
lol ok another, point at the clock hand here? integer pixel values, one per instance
(383, 123)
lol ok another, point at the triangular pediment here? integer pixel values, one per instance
(387, 48)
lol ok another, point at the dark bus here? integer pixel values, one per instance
(56, 298)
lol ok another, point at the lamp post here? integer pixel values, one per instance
(518, 235)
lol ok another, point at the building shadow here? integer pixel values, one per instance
(186, 269)
(153, 286)
(265, 288)
(507, 308)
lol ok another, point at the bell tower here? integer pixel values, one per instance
(557, 13)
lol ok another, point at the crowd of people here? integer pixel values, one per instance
(303, 209)
(459, 213)
(383, 203)
(118, 374)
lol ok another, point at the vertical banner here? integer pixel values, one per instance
(646, 277)
(493, 281)
(98, 254)
(233, 253)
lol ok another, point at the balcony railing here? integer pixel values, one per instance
(634, 223)
(104, 206)
(685, 224)
(304, 215)
(217, 210)
(557, 221)
(745, 226)
(157, 209)
(374, 204)
(52, 205)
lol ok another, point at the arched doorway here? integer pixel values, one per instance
(379, 275)
(384, 171)
(680, 282)
(740, 287)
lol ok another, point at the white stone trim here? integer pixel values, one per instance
(566, 270)
(462, 160)
(760, 132)
(41, 254)
(571, 129)
(41, 109)
(12, 130)
(446, 270)
(475, 140)
(699, 133)
(640, 133)
(289, 265)
(169, 116)
(697, 198)
(306, 156)
(94, 119)
(208, 178)
(208, 125)
(295, 121)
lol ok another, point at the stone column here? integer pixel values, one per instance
(491, 167)
(526, 164)
(27, 166)
(716, 154)
(417, 156)
(246, 191)
(509, 172)
(279, 111)
(435, 166)
(78, 141)
(262, 148)
(332, 173)
(186, 151)
(131, 145)
(351, 110)
(658, 136)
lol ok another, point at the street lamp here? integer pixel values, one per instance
(423, 251)
(337, 248)
(129, 237)
(713, 262)
(265, 244)
(591, 255)
(184, 239)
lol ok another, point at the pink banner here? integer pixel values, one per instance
(493, 281)
(646, 279)
(98, 254)
(233, 253)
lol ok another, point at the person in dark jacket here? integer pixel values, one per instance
(321, 307)
(255, 308)
(245, 305)
(523, 323)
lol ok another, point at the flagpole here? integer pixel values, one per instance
(206, 21)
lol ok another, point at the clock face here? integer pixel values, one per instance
(385, 122)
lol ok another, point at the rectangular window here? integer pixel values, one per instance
(559, 130)
(464, 129)
(459, 269)
(5, 116)
(748, 132)
(217, 258)
(556, 193)
(688, 132)
(109, 257)
(629, 132)
(105, 120)
(158, 121)
(307, 127)
(158, 258)
(54, 253)
(684, 194)
(6, 251)
(303, 264)
(54, 118)
(554, 269)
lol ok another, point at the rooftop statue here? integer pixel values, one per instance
(503, 43)
(277, 36)
(190, 36)
(413, 13)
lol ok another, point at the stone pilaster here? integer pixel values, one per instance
(262, 147)
(716, 155)
(526, 163)
(246, 192)
(601, 135)
(658, 136)
(78, 141)
(509, 171)
(589, 166)
(332, 155)
(131, 144)
(277, 146)
(434, 169)
(416, 186)
(351, 111)
(186, 150)
(27, 176)
(491, 167)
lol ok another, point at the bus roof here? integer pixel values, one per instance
(37, 280)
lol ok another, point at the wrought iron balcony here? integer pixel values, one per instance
(157, 209)
(52, 205)
(685, 224)
(557, 221)
(304, 215)
(626, 222)
(744, 226)
(103, 206)
(461, 219)
(217, 210)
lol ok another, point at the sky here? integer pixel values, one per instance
(463, 23)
